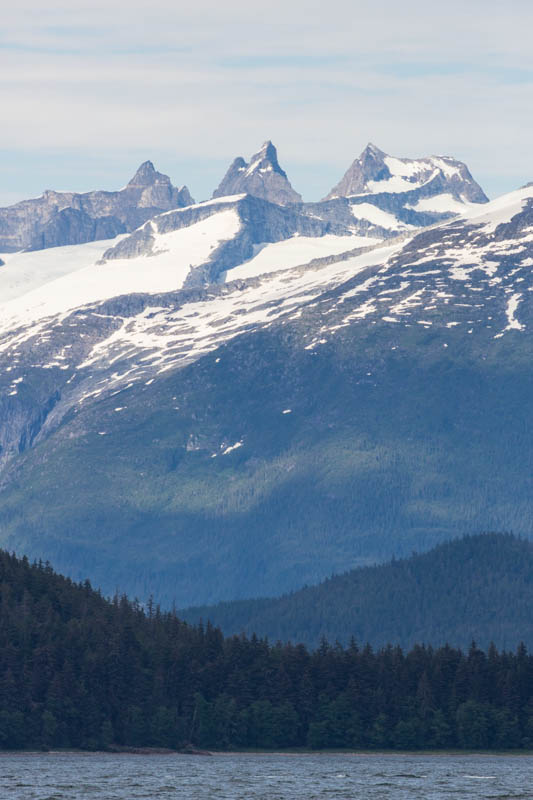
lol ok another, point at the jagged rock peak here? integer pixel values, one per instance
(371, 150)
(147, 175)
(157, 189)
(262, 177)
(266, 158)
(375, 172)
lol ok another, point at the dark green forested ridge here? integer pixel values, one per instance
(478, 587)
(77, 670)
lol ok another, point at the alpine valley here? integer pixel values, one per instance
(235, 398)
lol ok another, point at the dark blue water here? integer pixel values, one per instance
(56, 776)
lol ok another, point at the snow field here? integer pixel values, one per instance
(294, 252)
(165, 271)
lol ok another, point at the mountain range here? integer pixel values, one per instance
(63, 218)
(237, 397)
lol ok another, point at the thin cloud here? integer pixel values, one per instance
(197, 86)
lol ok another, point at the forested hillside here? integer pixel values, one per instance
(79, 671)
(478, 587)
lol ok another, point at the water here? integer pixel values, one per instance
(58, 776)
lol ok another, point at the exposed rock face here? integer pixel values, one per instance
(156, 190)
(382, 215)
(72, 226)
(375, 171)
(61, 218)
(262, 177)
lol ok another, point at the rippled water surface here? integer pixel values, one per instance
(55, 776)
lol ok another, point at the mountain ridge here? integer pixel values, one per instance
(66, 218)
(475, 588)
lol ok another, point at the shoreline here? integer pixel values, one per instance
(155, 751)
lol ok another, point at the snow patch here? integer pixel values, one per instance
(377, 216)
(442, 203)
(510, 311)
(394, 184)
(231, 448)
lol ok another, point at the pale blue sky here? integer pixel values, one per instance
(89, 90)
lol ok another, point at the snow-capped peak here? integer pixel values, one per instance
(377, 172)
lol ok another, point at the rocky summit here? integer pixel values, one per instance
(243, 396)
(65, 218)
(261, 177)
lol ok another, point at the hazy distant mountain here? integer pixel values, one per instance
(65, 218)
(261, 177)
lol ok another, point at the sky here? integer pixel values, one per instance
(89, 90)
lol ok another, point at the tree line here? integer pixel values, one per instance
(77, 670)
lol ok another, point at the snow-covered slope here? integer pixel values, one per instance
(25, 271)
(116, 293)
(473, 273)
(162, 255)
(168, 327)
(502, 210)
(241, 333)
(299, 250)
(85, 281)
(174, 319)
(165, 337)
